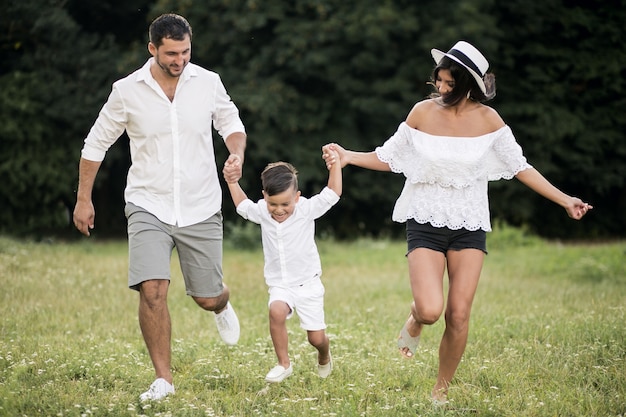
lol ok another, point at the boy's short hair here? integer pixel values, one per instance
(278, 177)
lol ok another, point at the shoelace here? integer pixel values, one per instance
(222, 321)
(152, 391)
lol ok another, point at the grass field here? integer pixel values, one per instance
(547, 337)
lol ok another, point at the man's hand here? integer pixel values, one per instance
(232, 169)
(84, 216)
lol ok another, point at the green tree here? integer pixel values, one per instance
(561, 70)
(308, 72)
(52, 85)
(47, 89)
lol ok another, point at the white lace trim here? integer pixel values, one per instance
(446, 177)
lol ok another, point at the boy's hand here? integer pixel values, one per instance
(330, 155)
(232, 169)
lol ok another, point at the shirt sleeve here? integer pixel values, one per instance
(226, 117)
(321, 203)
(109, 126)
(250, 210)
(397, 151)
(507, 158)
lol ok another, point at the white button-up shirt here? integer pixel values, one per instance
(173, 174)
(289, 249)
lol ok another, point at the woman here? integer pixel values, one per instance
(448, 149)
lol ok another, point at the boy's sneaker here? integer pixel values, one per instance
(228, 325)
(158, 390)
(278, 373)
(324, 370)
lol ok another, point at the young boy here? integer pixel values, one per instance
(292, 263)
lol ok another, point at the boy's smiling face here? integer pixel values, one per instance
(282, 205)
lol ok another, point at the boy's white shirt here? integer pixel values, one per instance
(289, 249)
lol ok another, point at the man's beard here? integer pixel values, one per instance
(168, 71)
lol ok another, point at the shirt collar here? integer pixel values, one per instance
(144, 73)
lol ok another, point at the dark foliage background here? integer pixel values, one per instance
(307, 72)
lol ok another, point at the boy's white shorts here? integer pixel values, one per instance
(307, 300)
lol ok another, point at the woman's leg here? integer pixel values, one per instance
(464, 269)
(426, 268)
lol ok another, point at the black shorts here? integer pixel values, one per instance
(443, 239)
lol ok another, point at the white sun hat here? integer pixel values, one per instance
(468, 56)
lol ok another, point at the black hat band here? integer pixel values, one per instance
(465, 60)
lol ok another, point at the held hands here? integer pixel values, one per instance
(333, 153)
(576, 208)
(330, 156)
(232, 169)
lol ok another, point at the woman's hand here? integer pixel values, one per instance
(576, 208)
(332, 153)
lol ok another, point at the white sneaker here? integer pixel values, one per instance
(324, 370)
(278, 373)
(158, 390)
(228, 325)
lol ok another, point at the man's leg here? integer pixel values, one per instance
(226, 319)
(200, 252)
(149, 248)
(215, 304)
(156, 326)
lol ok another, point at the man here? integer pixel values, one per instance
(173, 196)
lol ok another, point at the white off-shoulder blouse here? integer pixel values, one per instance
(447, 176)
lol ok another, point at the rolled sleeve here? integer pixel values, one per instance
(109, 126)
(226, 118)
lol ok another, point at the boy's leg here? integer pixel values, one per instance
(320, 341)
(279, 310)
(310, 308)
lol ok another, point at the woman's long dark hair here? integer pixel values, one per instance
(464, 82)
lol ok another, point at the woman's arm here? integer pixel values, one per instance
(367, 160)
(574, 206)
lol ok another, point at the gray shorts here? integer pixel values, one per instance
(199, 248)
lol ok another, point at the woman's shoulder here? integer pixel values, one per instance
(429, 116)
(421, 109)
(491, 117)
(424, 105)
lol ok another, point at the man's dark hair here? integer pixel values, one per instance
(169, 26)
(278, 177)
